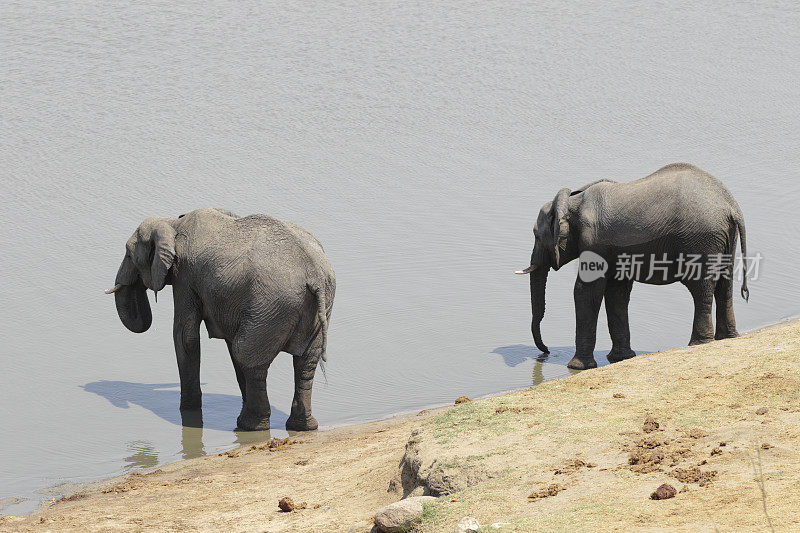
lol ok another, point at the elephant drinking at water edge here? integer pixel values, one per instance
(678, 212)
(263, 285)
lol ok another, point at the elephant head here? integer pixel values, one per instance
(149, 255)
(553, 247)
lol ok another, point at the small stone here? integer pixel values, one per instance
(723, 443)
(664, 492)
(650, 424)
(397, 517)
(716, 451)
(286, 505)
(423, 412)
(766, 446)
(619, 395)
(462, 399)
(761, 411)
(467, 525)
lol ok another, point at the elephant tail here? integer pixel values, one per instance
(743, 244)
(322, 316)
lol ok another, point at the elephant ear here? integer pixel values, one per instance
(560, 224)
(163, 241)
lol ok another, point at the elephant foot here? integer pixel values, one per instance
(248, 422)
(301, 424)
(726, 335)
(615, 356)
(698, 340)
(577, 363)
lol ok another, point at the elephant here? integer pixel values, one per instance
(261, 284)
(678, 212)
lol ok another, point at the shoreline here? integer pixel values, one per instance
(372, 448)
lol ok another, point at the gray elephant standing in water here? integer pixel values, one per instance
(263, 285)
(678, 211)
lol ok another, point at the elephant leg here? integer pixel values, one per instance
(186, 335)
(253, 349)
(255, 409)
(723, 298)
(239, 373)
(617, 296)
(301, 418)
(703, 326)
(588, 297)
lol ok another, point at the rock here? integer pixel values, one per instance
(467, 525)
(716, 451)
(664, 492)
(619, 395)
(423, 466)
(759, 411)
(650, 424)
(286, 505)
(766, 446)
(397, 517)
(462, 399)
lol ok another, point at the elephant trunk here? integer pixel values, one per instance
(130, 297)
(538, 284)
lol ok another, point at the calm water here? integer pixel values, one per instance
(416, 141)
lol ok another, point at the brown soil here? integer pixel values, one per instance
(588, 460)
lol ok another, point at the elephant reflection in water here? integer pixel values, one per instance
(192, 434)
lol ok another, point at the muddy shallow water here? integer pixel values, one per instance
(417, 143)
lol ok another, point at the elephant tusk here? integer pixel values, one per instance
(526, 271)
(116, 287)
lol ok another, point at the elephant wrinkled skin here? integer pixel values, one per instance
(263, 285)
(678, 211)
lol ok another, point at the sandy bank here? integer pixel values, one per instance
(572, 454)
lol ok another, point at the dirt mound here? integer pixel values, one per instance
(694, 475)
(650, 424)
(546, 492)
(573, 466)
